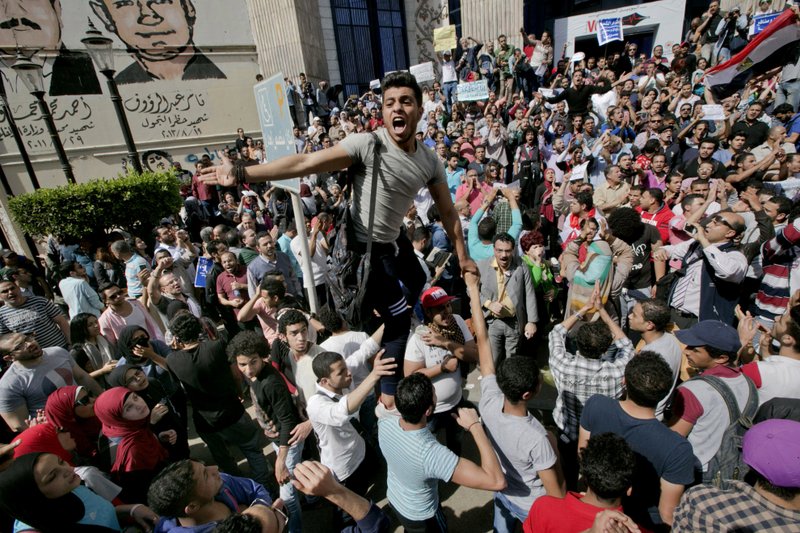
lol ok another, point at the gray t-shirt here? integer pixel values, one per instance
(401, 175)
(31, 386)
(668, 347)
(521, 445)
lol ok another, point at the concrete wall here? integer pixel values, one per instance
(484, 20)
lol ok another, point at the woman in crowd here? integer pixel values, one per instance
(43, 492)
(91, 350)
(140, 454)
(71, 409)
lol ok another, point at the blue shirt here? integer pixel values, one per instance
(479, 250)
(98, 512)
(453, 180)
(416, 461)
(135, 264)
(237, 493)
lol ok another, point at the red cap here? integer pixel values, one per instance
(434, 297)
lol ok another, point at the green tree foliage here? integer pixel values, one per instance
(135, 203)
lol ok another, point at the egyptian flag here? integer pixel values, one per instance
(776, 45)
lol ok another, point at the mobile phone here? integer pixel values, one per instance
(144, 343)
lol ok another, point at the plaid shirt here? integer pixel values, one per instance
(736, 507)
(578, 378)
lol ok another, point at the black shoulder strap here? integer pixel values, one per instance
(376, 161)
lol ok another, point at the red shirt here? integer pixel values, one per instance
(568, 515)
(225, 280)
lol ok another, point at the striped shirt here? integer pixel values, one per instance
(416, 461)
(37, 316)
(780, 259)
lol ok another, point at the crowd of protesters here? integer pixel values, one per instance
(584, 228)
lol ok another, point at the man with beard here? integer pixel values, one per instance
(406, 167)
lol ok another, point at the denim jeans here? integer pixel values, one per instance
(788, 92)
(506, 515)
(245, 435)
(287, 490)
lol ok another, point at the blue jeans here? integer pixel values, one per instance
(506, 514)
(449, 89)
(288, 492)
(788, 92)
(245, 435)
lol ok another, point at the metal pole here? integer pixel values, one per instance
(51, 127)
(23, 152)
(308, 273)
(122, 118)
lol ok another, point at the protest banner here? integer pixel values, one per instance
(473, 91)
(762, 21)
(609, 30)
(713, 112)
(276, 122)
(423, 72)
(444, 38)
(204, 266)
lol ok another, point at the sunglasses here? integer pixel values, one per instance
(280, 516)
(719, 219)
(83, 402)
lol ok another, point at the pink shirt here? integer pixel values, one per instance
(475, 196)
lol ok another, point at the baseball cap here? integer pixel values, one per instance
(712, 333)
(772, 448)
(7, 253)
(434, 297)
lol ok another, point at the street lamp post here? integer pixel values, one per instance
(31, 75)
(100, 49)
(12, 125)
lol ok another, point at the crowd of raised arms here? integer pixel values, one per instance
(585, 230)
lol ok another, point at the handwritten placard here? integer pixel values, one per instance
(423, 72)
(473, 91)
(713, 112)
(444, 38)
(204, 266)
(609, 30)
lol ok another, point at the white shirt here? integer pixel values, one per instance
(319, 261)
(357, 348)
(341, 447)
(449, 71)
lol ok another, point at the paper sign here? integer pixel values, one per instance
(579, 172)
(472, 91)
(276, 123)
(444, 38)
(713, 112)
(547, 93)
(375, 84)
(423, 72)
(609, 30)
(762, 21)
(204, 266)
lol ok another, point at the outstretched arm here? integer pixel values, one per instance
(485, 360)
(291, 166)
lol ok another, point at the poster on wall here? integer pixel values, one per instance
(185, 71)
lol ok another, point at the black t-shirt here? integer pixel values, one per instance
(642, 275)
(756, 132)
(660, 454)
(206, 376)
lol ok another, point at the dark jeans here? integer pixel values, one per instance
(245, 435)
(395, 281)
(435, 524)
(568, 452)
(682, 320)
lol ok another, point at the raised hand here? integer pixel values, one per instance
(221, 174)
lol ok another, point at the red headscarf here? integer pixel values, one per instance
(60, 412)
(138, 447)
(41, 438)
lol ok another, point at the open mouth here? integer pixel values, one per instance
(398, 125)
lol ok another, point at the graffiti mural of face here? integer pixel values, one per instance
(157, 160)
(157, 30)
(30, 24)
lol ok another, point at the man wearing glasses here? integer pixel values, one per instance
(122, 312)
(712, 267)
(34, 373)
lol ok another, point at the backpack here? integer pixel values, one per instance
(348, 274)
(727, 462)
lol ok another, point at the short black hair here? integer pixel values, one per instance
(503, 237)
(656, 311)
(593, 339)
(626, 224)
(186, 327)
(273, 287)
(66, 268)
(648, 379)
(607, 463)
(585, 198)
(516, 376)
(402, 79)
(239, 523)
(172, 490)
(420, 233)
(289, 318)
(330, 319)
(321, 365)
(688, 199)
(247, 343)
(414, 397)
(784, 493)
(433, 214)
(656, 193)
(486, 229)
